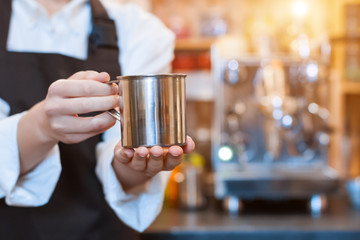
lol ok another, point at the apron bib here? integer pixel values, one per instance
(77, 209)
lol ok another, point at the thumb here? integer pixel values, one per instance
(78, 75)
(93, 75)
(102, 77)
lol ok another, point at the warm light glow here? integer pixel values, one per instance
(225, 153)
(324, 139)
(179, 177)
(313, 108)
(277, 114)
(276, 102)
(233, 65)
(287, 121)
(299, 9)
(312, 71)
(324, 113)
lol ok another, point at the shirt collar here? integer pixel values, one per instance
(37, 13)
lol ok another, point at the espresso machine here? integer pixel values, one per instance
(271, 129)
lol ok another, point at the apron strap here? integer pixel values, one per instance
(5, 13)
(103, 33)
(103, 51)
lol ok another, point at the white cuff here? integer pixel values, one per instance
(136, 210)
(34, 188)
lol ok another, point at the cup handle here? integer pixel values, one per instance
(116, 114)
(113, 81)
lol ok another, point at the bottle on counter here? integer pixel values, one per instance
(190, 181)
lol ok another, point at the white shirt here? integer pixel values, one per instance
(146, 46)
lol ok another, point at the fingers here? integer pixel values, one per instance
(83, 92)
(120, 87)
(77, 97)
(173, 158)
(134, 159)
(123, 155)
(78, 75)
(189, 145)
(72, 129)
(156, 161)
(138, 162)
(102, 77)
(152, 161)
(121, 103)
(91, 75)
(80, 125)
(71, 106)
(75, 138)
(76, 88)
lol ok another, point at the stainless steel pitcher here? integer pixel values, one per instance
(153, 111)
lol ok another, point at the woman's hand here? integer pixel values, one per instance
(56, 117)
(136, 166)
(81, 93)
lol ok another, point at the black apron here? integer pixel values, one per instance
(77, 209)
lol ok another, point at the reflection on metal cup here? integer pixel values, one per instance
(153, 110)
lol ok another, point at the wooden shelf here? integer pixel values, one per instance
(339, 39)
(194, 44)
(350, 87)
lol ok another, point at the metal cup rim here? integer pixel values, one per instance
(144, 76)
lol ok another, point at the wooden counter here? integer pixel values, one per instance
(339, 221)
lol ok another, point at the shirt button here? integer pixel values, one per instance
(60, 29)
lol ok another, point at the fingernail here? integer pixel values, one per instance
(175, 154)
(142, 152)
(114, 90)
(157, 151)
(128, 152)
(156, 154)
(176, 151)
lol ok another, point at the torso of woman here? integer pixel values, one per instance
(77, 208)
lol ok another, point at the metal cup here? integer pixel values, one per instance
(153, 111)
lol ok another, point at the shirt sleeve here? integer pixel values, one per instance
(132, 208)
(34, 188)
(146, 47)
(146, 44)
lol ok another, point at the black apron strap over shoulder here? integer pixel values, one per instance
(103, 51)
(98, 10)
(103, 32)
(5, 13)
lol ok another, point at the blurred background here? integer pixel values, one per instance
(273, 96)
